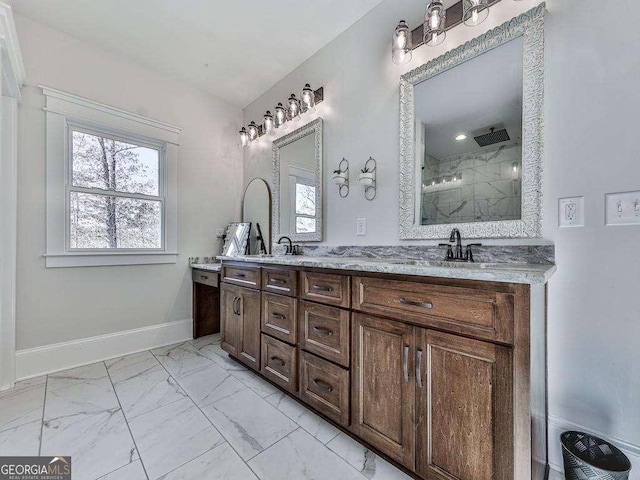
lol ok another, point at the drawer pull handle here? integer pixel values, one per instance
(203, 277)
(278, 281)
(419, 368)
(416, 304)
(405, 364)
(240, 275)
(323, 331)
(278, 360)
(324, 386)
(279, 316)
(323, 288)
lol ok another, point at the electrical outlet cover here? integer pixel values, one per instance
(571, 212)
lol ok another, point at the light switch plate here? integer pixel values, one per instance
(622, 208)
(361, 226)
(571, 212)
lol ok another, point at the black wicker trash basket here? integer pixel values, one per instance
(590, 458)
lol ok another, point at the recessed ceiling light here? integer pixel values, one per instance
(461, 137)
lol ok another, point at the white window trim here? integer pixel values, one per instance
(65, 111)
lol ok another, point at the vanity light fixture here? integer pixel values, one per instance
(474, 12)
(280, 119)
(401, 45)
(253, 131)
(269, 125)
(244, 137)
(434, 23)
(461, 137)
(308, 99)
(293, 108)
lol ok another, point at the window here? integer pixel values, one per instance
(115, 192)
(305, 207)
(111, 185)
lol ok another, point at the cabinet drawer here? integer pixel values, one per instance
(480, 313)
(206, 277)
(279, 363)
(326, 288)
(325, 332)
(279, 317)
(241, 275)
(283, 282)
(325, 387)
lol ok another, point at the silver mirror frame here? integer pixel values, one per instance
(314, 128)
(530, 26)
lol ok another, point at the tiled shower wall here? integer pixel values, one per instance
(480, 186)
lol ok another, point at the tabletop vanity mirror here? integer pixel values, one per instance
(471, 137)
(256, 210)
(297, 184)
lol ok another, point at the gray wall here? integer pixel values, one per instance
(62, 304)
(592, 72)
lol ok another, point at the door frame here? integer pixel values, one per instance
(13, 77)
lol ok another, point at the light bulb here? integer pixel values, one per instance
(474, 12)
(435, 24)
(269, 125)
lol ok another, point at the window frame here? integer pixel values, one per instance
(63, 109)
(113, 134)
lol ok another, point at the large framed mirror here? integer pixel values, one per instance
(256, 210)
(297, 184)
(471, 137)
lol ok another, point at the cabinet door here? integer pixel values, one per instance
(464, 408)
(230, 319)
(383, 386)
(249, 339)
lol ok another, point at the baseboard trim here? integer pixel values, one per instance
(33, 362)
(558, 425)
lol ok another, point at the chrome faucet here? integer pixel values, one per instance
(458, 255)
(456, 237)
(290, 249)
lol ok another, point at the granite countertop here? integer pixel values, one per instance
(496, 272)
(211, 267)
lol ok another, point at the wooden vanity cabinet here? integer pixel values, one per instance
(240, 334)
(445, 377)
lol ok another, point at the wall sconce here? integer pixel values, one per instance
(401, 44)
(282, 114)
(341, 178)
(367, 179)
(437, 21)
(474, 12)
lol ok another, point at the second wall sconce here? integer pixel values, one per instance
(367, 179)
(341, 178)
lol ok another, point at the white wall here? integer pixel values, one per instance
(592, 98)
(62, 304)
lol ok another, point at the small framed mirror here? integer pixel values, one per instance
(256, 210)
(236, 239)
(297, 184)
(471, 137)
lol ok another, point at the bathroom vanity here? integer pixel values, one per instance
(439, 367)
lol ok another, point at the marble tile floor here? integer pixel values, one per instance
(180, 412)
